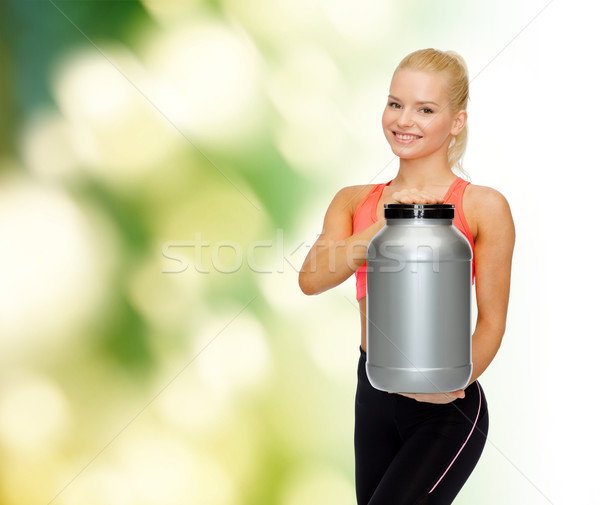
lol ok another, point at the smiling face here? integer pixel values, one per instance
(417, 120)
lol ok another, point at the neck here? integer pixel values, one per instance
(422, 172)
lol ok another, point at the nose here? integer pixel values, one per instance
(405, 118)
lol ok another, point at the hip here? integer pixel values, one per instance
(409, 411)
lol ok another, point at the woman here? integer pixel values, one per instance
(420, 448)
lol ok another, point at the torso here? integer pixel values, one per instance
(386, 197)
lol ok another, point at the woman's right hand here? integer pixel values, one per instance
(408, 196)
(414, 195)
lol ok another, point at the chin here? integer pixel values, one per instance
(402, 154)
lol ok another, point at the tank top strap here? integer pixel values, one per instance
(455, 196)
(375, 191)
(455, 190)
(365, 212)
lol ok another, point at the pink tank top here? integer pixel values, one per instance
(366, 214)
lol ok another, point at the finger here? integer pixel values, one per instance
(432, 198)
(415, 196)
(402, 196)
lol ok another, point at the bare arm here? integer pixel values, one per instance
(337, 253)
(493, 249)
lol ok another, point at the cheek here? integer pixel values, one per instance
(389, 115)
(436, 126)
(385, 118)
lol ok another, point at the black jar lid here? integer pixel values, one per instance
(418, 211)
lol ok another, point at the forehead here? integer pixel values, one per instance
(418, 85)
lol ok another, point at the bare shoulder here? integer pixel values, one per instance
(337, 223)
(349, 197)
(488, 208)
(485, 198)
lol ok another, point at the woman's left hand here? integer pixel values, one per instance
(435, 397)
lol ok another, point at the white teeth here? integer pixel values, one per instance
(407, 137)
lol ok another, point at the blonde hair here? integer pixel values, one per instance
(454, 67)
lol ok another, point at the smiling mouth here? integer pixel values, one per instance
(403, 136)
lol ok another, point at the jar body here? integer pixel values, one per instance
(419, 307)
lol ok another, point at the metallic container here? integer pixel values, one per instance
(419, 301)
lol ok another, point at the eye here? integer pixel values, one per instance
(427, 110)
(394, 105)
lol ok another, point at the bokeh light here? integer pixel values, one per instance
(164, 168)
(108, 100)
(34, 414)
(55, 268)
(208, 76)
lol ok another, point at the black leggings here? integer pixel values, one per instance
(415, 453)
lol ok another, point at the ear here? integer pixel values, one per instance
(460, 120)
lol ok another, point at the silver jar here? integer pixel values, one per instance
(419, 301)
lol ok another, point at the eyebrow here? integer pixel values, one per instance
(418, 103)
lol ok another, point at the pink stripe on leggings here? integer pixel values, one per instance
(477, 417)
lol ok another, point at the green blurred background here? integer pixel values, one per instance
(164, 167)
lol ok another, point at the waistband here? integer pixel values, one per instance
(363, 356)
